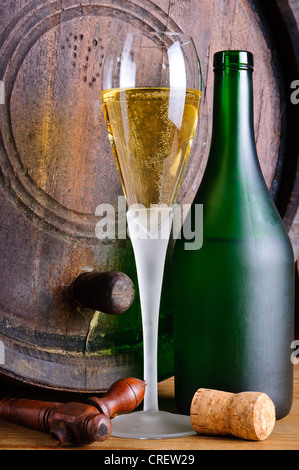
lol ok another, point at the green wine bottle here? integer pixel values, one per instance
(233, 297)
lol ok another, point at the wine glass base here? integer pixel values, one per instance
(151, 425)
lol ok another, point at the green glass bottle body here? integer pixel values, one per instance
(233, 297)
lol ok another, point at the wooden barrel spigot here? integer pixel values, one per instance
(123, 396)
(110, 292)
(74, 422)
(65, 422)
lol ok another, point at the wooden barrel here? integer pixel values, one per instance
(56, 168)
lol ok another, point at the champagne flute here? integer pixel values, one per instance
(151, 97)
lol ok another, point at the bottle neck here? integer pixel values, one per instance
(233, 127)
(233, 166)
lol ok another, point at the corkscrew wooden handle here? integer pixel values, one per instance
(110, 292)
(123, 396)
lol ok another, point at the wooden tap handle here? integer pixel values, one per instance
(77, 422)
(123, 396)
(25, 412)
(70, 422)
(110, 292)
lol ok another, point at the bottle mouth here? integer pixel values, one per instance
(233, 59)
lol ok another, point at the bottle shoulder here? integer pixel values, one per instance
(237, 205)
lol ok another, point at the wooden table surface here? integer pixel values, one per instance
(285, 435)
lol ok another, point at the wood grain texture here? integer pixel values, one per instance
(285, 435)
(56, 167)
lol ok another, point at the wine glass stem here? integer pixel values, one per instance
(150, 292)
(150, 256)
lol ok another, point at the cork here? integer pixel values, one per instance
(247, 415)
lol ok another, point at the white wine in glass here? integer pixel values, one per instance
(151, 97)
(151, 142)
